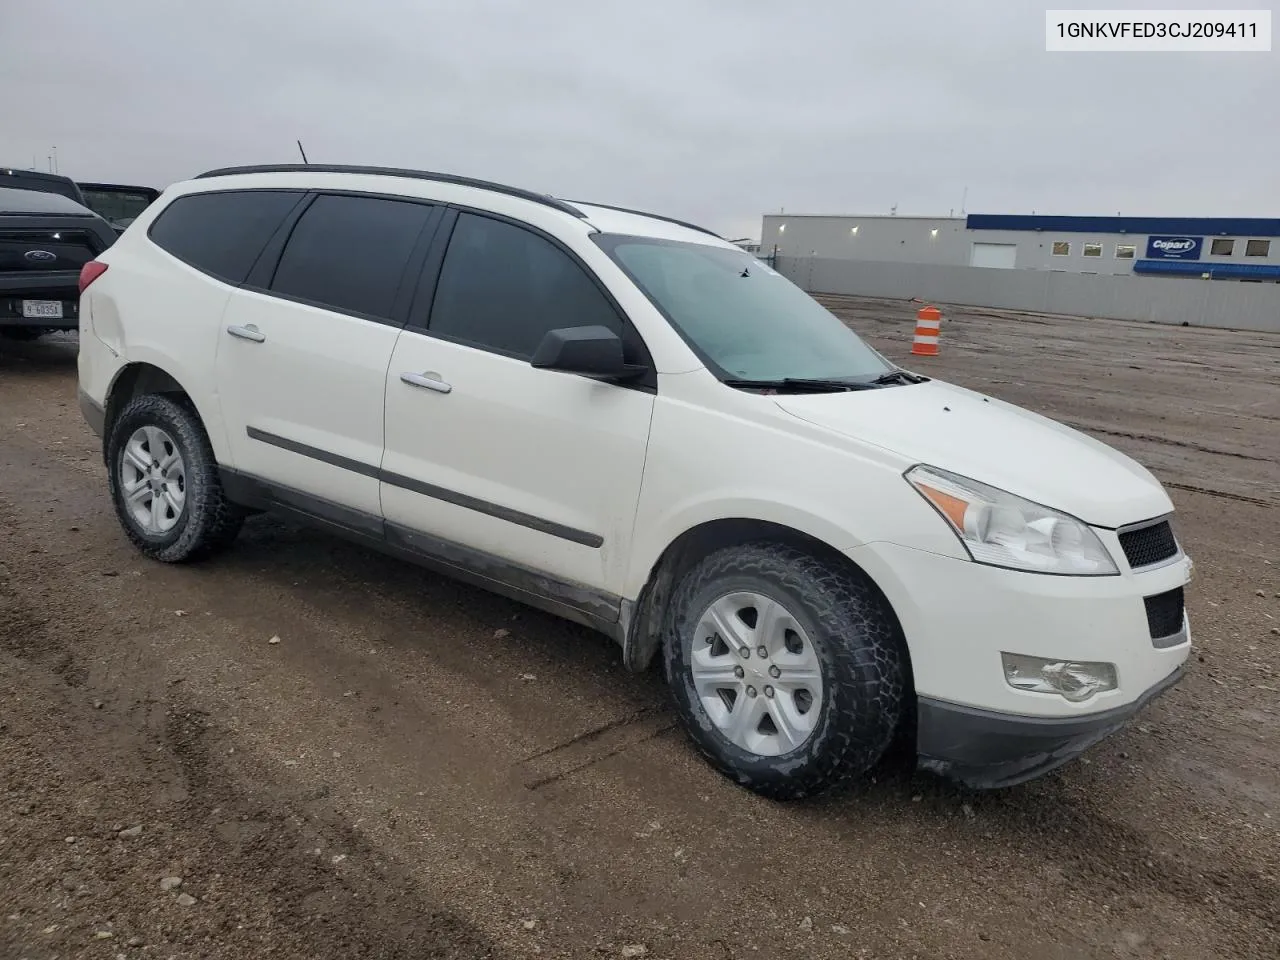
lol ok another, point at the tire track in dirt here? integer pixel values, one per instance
(223, 839)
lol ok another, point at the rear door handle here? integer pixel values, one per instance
(430, 381)
(247, 332)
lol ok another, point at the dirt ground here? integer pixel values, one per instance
(418, 769)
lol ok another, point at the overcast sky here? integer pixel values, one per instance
(712, 110)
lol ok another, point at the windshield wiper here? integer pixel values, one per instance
(800, 385)
(898, 376)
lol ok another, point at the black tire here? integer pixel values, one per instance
(208, 522)
(21, 334)
(859, 648)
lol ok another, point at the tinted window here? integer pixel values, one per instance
(116, 205)
(59, 185)
(350, 252)
(222, 233)
(503, 287)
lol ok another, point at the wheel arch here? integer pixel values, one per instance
(140, 377)
(643, 620)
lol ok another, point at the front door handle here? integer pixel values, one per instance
(247, 332)
(431, 381)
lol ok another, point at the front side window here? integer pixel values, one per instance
(349, 253)
(1222, 247)
(502, 288)
(1257, 248)
(1093, 249)
(222, 233)
(1125, 251)
(1061, 248)
(744, 320)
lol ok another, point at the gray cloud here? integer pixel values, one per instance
(703, 109)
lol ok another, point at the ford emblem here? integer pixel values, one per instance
(40, 256)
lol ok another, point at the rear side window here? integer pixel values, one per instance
(222, 233)
(349, 253)
(503, 287)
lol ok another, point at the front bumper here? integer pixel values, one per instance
(983, 749)
(959, 617)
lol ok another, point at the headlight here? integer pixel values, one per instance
(1002, 530)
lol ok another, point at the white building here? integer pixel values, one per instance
(1215, 247)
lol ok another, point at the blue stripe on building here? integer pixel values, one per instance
(1218, 271)
(1195, 226)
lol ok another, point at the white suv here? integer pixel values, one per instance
(634, 424)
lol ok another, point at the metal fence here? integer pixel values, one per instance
(1192, 301)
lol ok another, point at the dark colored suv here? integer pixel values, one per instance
(117, 203)
(45, 238)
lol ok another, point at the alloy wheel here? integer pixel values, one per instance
(756, 674)
(153, 480)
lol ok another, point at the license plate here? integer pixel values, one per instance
(42, 309)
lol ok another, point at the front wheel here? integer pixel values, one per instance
(789, 675)
(164, 482)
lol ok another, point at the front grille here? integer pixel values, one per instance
(1164, 614)
(1147, 545)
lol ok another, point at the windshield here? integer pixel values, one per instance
(744, 319)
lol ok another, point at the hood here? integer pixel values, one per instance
(994, 442)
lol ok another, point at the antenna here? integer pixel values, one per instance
(303, 152)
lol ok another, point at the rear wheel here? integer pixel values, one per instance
(164, 482)
(789, 676)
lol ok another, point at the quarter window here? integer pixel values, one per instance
(349, 253)
(1222, 248)
(222, 233)
(503, 287)
(1257, 248)
(1061, 248)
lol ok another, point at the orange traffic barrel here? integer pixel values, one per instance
(928, 326)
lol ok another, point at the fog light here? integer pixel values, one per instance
(1073, 680)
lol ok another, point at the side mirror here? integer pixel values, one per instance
(594, 351)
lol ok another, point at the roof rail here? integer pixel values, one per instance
(37, 174)
(653, 216)
(541, 198)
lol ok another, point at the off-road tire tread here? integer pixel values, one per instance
(212, 521)
(864, 677)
